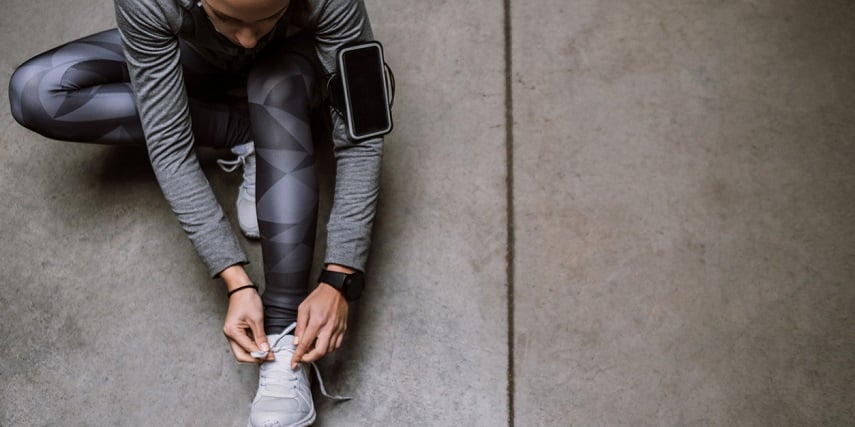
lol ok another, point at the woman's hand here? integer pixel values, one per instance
(321, 322)
(244, 325)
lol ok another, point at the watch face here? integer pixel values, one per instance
(353, 286)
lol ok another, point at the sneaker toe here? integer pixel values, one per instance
(281, 412)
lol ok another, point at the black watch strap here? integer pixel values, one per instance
(350, 285)
(333, 278)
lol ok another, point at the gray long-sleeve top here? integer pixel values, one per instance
(150, 31)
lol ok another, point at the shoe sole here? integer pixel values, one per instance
(251, 236)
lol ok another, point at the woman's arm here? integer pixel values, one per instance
(151, 50)
(322, 317)
(358, 165)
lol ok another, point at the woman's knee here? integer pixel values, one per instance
(27, 90)
(47, 89)
(282, 80)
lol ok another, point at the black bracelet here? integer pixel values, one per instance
(242, 288)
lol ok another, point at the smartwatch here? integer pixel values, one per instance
(350, 285)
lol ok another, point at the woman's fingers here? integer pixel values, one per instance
(240, 354)
(257, 329)
(244, 326)
(306, 344)
(328, 340)
(338, 341)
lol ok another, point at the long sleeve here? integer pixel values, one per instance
(151, 48)
(358, 165)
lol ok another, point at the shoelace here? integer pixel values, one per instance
(243, 160)
(293, 376)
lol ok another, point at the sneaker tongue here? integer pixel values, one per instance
(278, 390)
(278, 379)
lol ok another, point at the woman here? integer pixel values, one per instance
(239, 74)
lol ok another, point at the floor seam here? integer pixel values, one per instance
(509, 162)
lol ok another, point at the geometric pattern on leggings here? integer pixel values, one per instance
(279, 93)
(79, 92)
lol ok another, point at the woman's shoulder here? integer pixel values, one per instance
(317, 6)
(320, 10)
(167, 13)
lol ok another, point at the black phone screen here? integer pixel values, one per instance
(366, 87)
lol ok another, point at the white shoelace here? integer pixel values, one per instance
(292, 375)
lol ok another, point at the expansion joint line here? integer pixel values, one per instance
(509, 155)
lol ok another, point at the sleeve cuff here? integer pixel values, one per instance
(219, 249)
(351, 253)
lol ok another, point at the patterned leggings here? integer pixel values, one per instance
(81, 92)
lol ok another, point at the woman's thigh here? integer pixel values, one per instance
(81, 92)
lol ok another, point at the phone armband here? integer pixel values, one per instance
(363, 90)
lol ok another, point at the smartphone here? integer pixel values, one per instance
(365, 88)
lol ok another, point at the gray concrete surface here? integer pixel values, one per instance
(685, 189)
(683, 224)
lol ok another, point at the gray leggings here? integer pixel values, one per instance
(81, 92)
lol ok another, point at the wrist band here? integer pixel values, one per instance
(242, 288)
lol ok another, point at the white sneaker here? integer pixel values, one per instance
(246, 214)
(284, 397)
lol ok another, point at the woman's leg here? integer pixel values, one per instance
(81, 92)
(78, 92)
(280, 91)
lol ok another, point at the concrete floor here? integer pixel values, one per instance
(682, 209)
